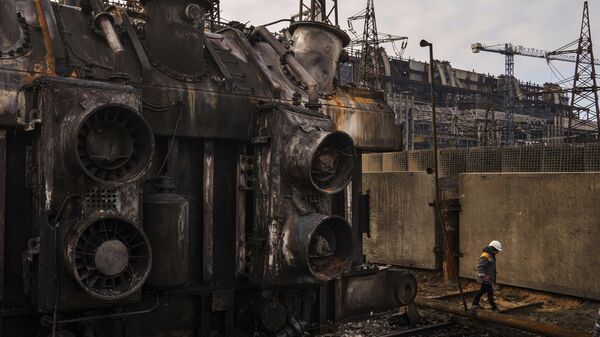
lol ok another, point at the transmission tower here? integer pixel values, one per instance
(370, 62)
(583, 119)
(510, 102)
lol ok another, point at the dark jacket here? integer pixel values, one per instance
(486, 267)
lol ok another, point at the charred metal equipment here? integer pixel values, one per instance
(501, 319)
(158, 179)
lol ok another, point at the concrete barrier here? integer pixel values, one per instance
(548, 223)
(402, 222)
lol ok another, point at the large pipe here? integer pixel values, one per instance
(10, 33)
(501, 319)
(311, 85)
(103, 22)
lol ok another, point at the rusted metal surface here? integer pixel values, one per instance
(9, 25)
(317, 46)
(450, 211)
(501, 319)
(258, 143)
(376, 291)
(311, 84)
(362, 115)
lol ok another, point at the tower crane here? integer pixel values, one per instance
(510, 49)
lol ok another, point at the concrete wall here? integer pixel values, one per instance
(402, 222)
(548, 223)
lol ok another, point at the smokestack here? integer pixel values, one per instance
(318, 47)
(10, 33)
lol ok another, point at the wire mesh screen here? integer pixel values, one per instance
(484, 159)
(452, 162)
(395, 161)
(372, 162)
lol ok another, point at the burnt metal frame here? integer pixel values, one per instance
(311, 9)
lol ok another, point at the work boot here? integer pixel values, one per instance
(474, 308)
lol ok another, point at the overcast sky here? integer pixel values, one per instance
(452, 25)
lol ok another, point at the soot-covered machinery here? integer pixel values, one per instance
(158, 179)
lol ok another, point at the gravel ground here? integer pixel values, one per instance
(565, 311)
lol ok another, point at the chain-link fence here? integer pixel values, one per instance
(454, 161)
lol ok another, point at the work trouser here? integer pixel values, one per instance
(597, 326)
(485, 288)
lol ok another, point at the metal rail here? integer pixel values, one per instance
(502, 319)
(420, 329)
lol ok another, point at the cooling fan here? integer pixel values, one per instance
(110, 258)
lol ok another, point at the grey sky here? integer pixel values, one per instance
(452, 25)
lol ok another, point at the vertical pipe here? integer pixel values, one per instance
(2, 209)
(10, 33)
(312, 9)
(435, 163)
(207, 234)
(356, 228)
(208, 194)
(240, 223)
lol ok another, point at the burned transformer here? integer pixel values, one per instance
(161, 179)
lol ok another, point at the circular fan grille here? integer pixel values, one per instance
(114, 144)
(110, 258)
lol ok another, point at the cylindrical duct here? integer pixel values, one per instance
(321, 160)
(317, 245)
(166, 222)
(10, 32)
(317, 47)
(111, 144)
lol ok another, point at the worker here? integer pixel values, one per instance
(486, 274)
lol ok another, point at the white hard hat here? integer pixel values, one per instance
(496, 244)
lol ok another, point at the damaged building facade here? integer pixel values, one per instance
(471, 107)
(157, 179)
